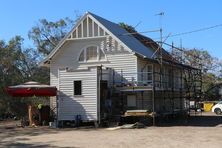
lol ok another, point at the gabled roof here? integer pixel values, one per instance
(130, 41)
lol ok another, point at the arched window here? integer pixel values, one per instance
(91, 53)
(81, 57)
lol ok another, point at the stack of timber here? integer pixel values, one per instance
(137, 113)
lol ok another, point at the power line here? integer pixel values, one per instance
(197, 30)
(193, 31)
(178, 34)
(182, 50)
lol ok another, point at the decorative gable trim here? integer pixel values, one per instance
(89, 27)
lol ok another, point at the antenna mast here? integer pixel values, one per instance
(161, 14)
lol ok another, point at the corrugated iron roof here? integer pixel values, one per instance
(139, 44)
(123, 35)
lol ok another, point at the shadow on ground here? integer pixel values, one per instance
(10, 135)
(201, 120)
(23, 145)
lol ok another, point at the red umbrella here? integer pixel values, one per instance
(31, 88)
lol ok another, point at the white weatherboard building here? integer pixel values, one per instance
(100, 68)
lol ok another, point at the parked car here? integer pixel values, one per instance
(217, 108)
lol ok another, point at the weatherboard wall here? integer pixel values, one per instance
(71, 105)
(119, 60)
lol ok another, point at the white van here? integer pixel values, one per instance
(217, 108)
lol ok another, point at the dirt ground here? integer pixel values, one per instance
(200, 131)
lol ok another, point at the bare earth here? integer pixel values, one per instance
(200, 132)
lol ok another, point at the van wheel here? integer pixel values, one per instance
(217, 111)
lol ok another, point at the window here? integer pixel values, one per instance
(149, 73)
(77, 87)
(157, 76)
(81, 57)
(170, 78)
(91, 53)
(131, 101)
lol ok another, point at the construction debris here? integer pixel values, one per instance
(137, 113)
(128, 126)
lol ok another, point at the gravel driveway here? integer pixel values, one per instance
(202, 131)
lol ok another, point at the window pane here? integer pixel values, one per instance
(149, 73)
(149, 68)
(102, 55)
(81, 57)
(131, 101)
(150, 77)
(91, 53)
(77, 87)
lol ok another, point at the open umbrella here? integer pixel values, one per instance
(31, 88)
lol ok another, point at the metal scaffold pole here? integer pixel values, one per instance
(153, 97)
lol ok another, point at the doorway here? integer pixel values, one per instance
(105, 101)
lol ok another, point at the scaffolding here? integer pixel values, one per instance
(171, 83)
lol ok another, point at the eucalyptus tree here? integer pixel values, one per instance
(47, 34)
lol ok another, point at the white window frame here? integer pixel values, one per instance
(150, 72)
(91, 55)
(99, 50)
(81, 88)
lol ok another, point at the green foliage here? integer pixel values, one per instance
(127, 27)
(11, 61)
(200, 59)
(46, 34)
(18, 65)
(210, 67)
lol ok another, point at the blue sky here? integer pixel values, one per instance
(18, 17)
